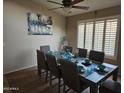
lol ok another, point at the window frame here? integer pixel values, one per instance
(118, 17)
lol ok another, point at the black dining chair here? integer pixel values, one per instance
(45, 48)
(42, 64)
(68, 49)
(82, 52)
(54, 70)
(96, 56)
(110, 86)
(71, 77)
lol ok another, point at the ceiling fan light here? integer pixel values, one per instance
(67, 9)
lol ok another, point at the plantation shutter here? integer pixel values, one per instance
(98, 35)
(81, 35)
(89, 35)
(110, 36)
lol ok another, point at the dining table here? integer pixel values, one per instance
(96, 77)
(90, 72)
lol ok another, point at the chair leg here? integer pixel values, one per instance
(78, 91)
(50, 79)
(63, 88)
(46, 75)
(100, 91)
(59, 82)
(39, 71)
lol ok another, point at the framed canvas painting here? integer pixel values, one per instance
(39, 24)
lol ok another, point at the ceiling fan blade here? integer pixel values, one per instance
(76, 1)
(54, 2)
(81, 7)
(55, 8)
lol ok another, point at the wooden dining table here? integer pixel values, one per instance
(94, 77)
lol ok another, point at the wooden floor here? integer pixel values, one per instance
(27, 81)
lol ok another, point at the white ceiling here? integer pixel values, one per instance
(93, 4)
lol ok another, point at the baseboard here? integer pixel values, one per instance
(19, 69)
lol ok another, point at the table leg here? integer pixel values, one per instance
(115, 75)
(94, 89)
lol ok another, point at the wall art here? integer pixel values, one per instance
(39, 24)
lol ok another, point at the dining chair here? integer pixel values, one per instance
(54, 70)
(71, 77)
(68, 49)
(42, 64)
(96, 56)
(45, 48)
(82, 52)
(110, 86)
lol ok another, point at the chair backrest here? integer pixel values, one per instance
(82, 52)
(45, 48)
(96, 56)
(70, 74)
(41, 60)
(52, 64)
(68, 49)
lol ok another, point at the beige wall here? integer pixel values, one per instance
(19, 47)
(72, 26)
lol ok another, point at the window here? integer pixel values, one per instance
(99, 35)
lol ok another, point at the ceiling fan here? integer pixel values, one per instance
(68, 4)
